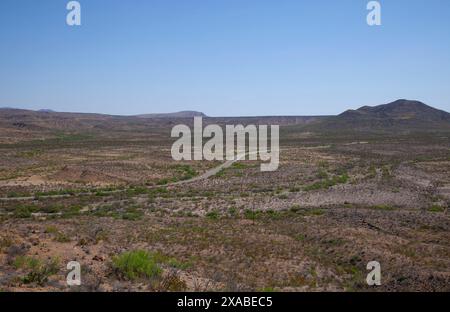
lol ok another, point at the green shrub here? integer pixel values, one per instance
(16, 194)
(57, 235)
(327, 183)
(187, 172)
(314, 186)
(372, 172)
(137, 190)
(51, 209)
(72, 211)
(436, 208)
(23, 262)
(213, 215)
(39, 271)
(273, 214)
(165, 181)
(62, 238)
(136, 264)
(251, 214)
(385, 172)
(316, 212)
(342, 179)
(51, 229)
(232, 211)
(23, 211)
(132, 214)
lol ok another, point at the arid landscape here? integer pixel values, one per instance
(371, 184)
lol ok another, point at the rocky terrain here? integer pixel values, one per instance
(368, 185)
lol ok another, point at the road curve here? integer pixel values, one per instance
(209, 173)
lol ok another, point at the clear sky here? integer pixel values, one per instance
(223, 57)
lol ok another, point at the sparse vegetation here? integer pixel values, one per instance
(304, 227)
(327, 183)
(38, 271)
(383, 207)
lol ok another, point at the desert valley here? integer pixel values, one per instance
(371, 184)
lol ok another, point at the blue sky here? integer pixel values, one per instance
(223, 57)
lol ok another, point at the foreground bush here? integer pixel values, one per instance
(136, 264)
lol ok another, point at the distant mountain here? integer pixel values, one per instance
(401, 116)
(182, 114)
(399, 110)
(45, 110)
(404, 115)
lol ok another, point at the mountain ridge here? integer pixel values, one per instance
(403, 115)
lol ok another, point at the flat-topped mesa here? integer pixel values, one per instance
(182, 114)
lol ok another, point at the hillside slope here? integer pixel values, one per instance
(400, 115)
